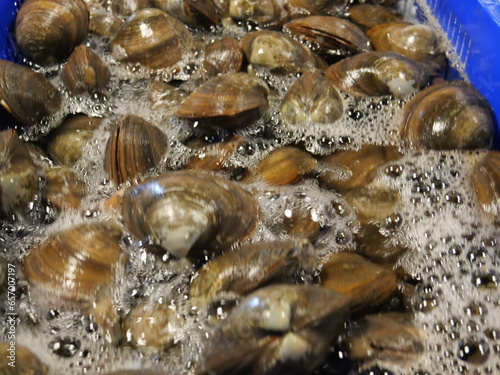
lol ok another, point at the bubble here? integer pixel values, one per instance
(473, 352)
(65, 347)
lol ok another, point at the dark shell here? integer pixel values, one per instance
(485, 180)
(47, 31)
(370, 15)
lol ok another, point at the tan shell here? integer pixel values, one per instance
(166, 43)
(221, 57)
(449, 115)
(47, 31)
(26, 94)
(373, 203)
(125, 8)
(378, 73)
(135, 146)
(311, 99)
(228, 101)
(333, 36)
(367, 16)
(485, 180)
(65, 189)
(72, 265)
(185, 211)
(262, 12)
(85, 72)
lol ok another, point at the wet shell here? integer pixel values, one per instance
(192, 12)
(368, 284)
(47, 31)
(319, 7)
(227, 101)
(284, 166)
(250, 266)
(26, 94)
(64, 188)
(25, 361)
(126, 8)
(135, 146)
(263, 12)
(65, 144)
(279, 52)
(72, 265)
(18, 175)
(186, 211)
(369, 15)
(164, 45)
(450, 115)
(485, 180)
(378, 73)
(214, 157)
(333, 36)
(373, 203)
(85, 72)
(417, 42)
(311, 99)
(104, 24)
(221, 57)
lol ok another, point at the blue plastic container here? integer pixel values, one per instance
(8, 11)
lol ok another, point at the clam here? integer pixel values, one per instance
(18, 175)
(350, 169)
(73, 265)
(213, 157)
(279, 329)
(64, 188)
(311, 99)
(192, 12)
(221, 57)
(104, 24)
(377, 243)
(316, 7)
(263, 12)
(250, 266)
(135, 146)
(378, 73)
(417, 42)
(449, 115)
(485, 181)
(152, 38)
(373, 202)
(368, 284)
(65, 144)
(187, 211)
(279, 53)
(85, 72)
(26, 94)
(19, 360)
(125, 8)
(228, 101)
(47, 31)
(301, 222)
(333, 36)
(283, 166)
(370, 15)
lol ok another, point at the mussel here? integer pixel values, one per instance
(187, 211)
(152, 38)
(26, 94)
(135, 146)
(378, 73)
(448, 115)
(228, 101)
(485, 181)
(47, 31)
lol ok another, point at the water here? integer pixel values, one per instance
(453, 245)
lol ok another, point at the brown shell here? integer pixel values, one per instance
(417, 42)
(263, 12)
(203, 13)
(65, 189)
(283, 166)
(72, 265)
(47, 31)
(104, 24)
(485, 181)
(449, 115)
(166, 43)
(18, 175)
(318, 7)
(26, 94)
(222, 56)
(378, 73)
(25, 361)
(373, 203)
(135, 146)
(186, 211)
(65, 144)
(228, 101)
(311, 99)
(213, 157)
(368, 284)
(367, 16)
(126, 8)
(333, 36)
(347, 170)
(85, 72)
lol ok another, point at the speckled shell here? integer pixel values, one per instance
(186, 211)
(378, 73)
(450, 115)
(47, 31)
(163, 46)
(26, 94)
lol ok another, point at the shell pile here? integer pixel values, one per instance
(243, 187)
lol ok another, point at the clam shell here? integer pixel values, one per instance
(165, 43)
(104, 24)
(47, 31)
(26, 94)
(485, 181)
(228, 101)
(213, 157)
(222, 56)
(369, 15)
(65, 189)
(450, 115)
(373, 203)
(134, 147)
(264, 12)
(203, 13)
(187, 211)
(125, 8)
